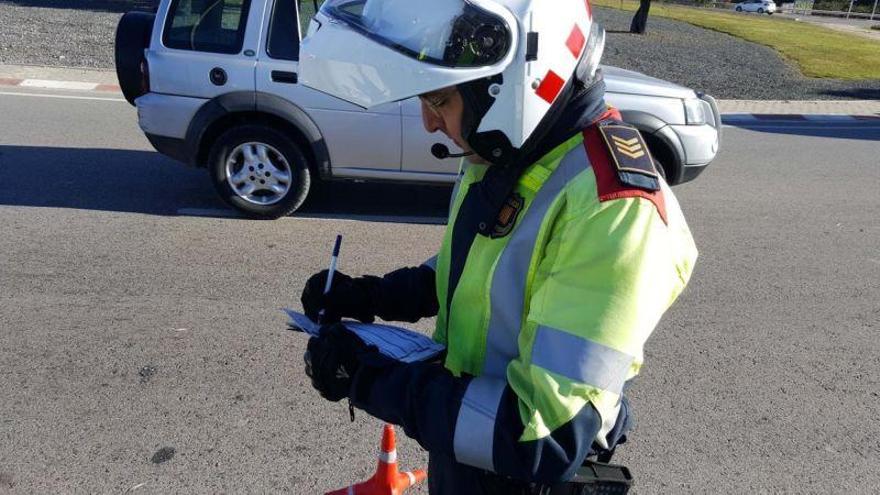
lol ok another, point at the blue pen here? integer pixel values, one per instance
(327, 285)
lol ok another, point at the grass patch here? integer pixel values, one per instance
(817, 51)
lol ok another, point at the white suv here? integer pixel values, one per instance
(759, 6)
(215, 85)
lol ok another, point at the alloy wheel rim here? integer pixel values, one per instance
(258, 173)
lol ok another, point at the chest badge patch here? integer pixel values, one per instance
(507, 216)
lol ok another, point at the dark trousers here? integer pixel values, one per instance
(640, 20)
(448, 477)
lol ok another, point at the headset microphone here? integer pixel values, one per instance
(441, 151)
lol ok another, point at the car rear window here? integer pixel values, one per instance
(206, 25)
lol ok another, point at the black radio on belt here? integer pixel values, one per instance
(594, 478)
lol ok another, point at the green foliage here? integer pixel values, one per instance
(816, 50)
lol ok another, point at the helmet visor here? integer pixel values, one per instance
(448, 33)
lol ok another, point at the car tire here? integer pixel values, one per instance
(660, 168)
(739, 9)
(760, 11)
(259, 171)
(132, 36)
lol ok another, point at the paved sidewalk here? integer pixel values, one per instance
(105, 80)
(36, 76)
(100, 76)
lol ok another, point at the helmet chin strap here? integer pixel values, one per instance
(492, 146)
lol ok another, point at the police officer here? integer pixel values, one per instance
(564, 246)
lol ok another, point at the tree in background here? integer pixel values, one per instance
(640, 20)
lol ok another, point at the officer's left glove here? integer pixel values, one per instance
(333, 358)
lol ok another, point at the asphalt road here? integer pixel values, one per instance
(130, 324)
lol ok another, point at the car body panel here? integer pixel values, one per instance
(631, 82)
(166, 115)
(187, 72)
(700, 143)
(669, 110)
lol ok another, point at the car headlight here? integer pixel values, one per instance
(697, 111)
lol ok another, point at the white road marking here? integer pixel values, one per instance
(47, 84)
(41, 95)
(221, 213)
(372, 218)
(209, 212)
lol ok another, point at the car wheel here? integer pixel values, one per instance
(259, 171)
(760, 11)
(739, 9)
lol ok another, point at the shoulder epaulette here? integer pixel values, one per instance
(630, 155)
(622, 164)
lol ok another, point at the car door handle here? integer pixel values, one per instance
(285, 77)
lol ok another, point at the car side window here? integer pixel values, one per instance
(307, 10)
(216, 26)
(283, 34)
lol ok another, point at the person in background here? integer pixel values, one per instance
(640, 19)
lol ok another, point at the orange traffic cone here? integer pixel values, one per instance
(387, 480)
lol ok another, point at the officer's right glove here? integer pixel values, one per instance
(348, 297)
(335, 356)
(332, 360)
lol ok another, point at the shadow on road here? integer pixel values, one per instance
(855, 93)
(96, 5)
(149, 183)
(868, 130)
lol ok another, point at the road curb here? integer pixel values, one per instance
(733, 111)
(757, 118)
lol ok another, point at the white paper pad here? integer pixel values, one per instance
(395, 342)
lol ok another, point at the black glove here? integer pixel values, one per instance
(348, 297)
(333, 358)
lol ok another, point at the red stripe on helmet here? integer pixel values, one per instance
(550, 87)
(589, 9)
(575, 41)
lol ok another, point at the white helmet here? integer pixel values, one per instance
(510, 59)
